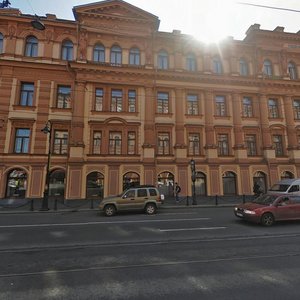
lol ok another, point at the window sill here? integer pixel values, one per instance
(24, 107)
(61, 109)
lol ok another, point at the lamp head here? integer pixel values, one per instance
(37, 24)
(47, 128)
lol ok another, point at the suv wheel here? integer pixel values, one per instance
(109, 210)
(150, 209)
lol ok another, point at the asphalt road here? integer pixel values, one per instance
(196, 253)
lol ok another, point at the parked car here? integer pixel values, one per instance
(144, 198)
(268, 208)
(286, 186)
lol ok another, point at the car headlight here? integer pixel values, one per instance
(249, 212)
(235, 208)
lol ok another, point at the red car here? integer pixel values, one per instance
(268, 208)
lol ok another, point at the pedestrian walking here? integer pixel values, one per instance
(177, 191)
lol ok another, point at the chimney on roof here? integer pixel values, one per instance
(279, 29)
(252, 28)
(175, 31)
(51, 16)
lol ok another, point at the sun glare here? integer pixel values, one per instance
(214, 20)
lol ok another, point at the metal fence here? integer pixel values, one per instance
(59, 203)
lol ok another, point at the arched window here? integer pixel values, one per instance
(67, 50)
(31, 46)
(260, 179)
(217, 65)
(229, 183)
(99, 53)
(286, 175)
(243, 67)
(130, 179)
(191, 63)
(292, 71)
(95, 185)
(200, 184)
(16, 184)
(268, 70)
(116, 55)
(1, 43)
(57, 183)
(165, 183)
(163, 60)
(134, 56)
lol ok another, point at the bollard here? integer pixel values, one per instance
(92, 203)
(244, 199)
(31, 205)
(55, 204)
(187, 200)
(216, 200)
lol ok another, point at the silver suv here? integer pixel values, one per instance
(146, 198)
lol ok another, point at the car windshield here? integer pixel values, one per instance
(265, 199)
(279, 187)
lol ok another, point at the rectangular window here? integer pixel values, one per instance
(250, 140)
(163, 143)
(192, 102)
(277, 142)
(134, 56)
(223, 147)
(115, 143)
(99, 99)
(297, 109)
(162, 103)
(220, 106)
(116, 101)
(194, 144)
(191, 64)
(60, 142)
(163, 61)
(97, 137)
(273, 108)
(131, 143)
(63, 96)
(22, 140)
(131, 101)
(247, 107)
(26, 97)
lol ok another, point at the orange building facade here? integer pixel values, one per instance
(128, 104)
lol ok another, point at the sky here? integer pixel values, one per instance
(206, 20)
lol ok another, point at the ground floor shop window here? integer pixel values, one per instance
(229, 183)
(57, 183)
(200, 184)
(16, 184)
(95, 185)
(259, 178)
(165, 183)
(130, 179)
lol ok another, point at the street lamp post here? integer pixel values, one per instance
(193, 169)
(47, 130)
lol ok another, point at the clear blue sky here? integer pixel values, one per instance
(207, 20)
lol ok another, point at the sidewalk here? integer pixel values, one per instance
(59, 204)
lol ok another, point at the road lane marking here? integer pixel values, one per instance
(99, 223)
(192, 229)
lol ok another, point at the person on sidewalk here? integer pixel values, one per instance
(177, 190)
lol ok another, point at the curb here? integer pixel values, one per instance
(12, 212)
